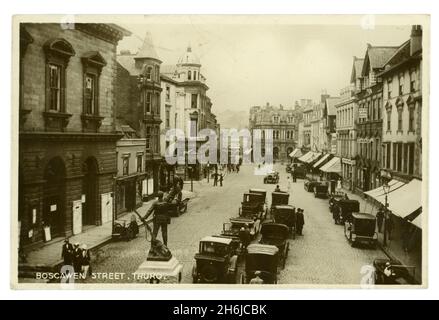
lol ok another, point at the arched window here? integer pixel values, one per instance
(189, 75)
(149, 72)
(195, 75)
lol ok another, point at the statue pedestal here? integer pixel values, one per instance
(159, 271)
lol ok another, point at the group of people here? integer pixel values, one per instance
(218, 177)
(76, 256)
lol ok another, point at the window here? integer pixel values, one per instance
(189, 75)
(157, 104)
(194, 100)
(389, 88)
(90, 94)
(389, 119)
(168, 118)
(168, 93)
(157, 73)
(401, 84)
(149, 73)
(399, 167)
(388, 154)
(377, 149)
(148, 138)
(395, 154)
(148, 102)
(125, 165)
(400, 119)
(379, 108)
(195, 75)
(156, 140)
(406, 150)
(411, 118)
(54, 87)
(411, 158)
(139, 162)
(413, 80)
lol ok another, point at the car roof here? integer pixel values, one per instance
(361, 215)
(226, 241)
(257, 248)
(242, 220)
(257, 190)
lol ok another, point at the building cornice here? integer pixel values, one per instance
(69, 136)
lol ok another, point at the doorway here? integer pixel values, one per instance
(54, 196)
(90, 190)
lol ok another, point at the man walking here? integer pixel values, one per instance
(161, 218)
(221, 178)
(300, 221)
(77, 264)
(67, 252)
(215, 179)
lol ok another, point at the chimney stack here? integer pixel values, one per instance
(416, 39)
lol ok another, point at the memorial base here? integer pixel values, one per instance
(159, 271)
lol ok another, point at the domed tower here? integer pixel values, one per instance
(188, 66)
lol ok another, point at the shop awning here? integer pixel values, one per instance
(333, 165)
(296, 153)
(378, 193)
(306, 156)
(314, 156)
(407, 199)
(403, 199)
(417, 221)
(321, 160)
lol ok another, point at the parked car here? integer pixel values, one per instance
(279, 198)
(361, 229)
(299, 170)
(253, 205)
(262, 258)
(271, 178)
(396, 273)
(310, 184)
(321, 190)
(215, 262)
(334, 197)
(285, 214)
(235, 224)
(276, 234)
(342, 210)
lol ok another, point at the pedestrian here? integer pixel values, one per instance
(67, 252)
(161, 218)
(237, 168)
(133, 228)
(77, 258)
(85, 261)
(380, 219)
(221, 178)
(215, 179)
(294, 175)
(277, 189)
(346, 196)
(257, 279)
(300, 221)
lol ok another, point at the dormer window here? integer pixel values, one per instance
(401, 84)
(189, 75)
(195, 75)
(149, 73)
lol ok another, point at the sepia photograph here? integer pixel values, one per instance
(220, 151)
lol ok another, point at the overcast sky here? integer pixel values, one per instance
(249, 64)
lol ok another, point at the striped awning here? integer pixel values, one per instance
(296, 153)
(333, 165)
(321, 160)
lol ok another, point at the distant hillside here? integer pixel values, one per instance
(232, 118)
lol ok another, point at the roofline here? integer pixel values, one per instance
(124, 31)
(392, 68)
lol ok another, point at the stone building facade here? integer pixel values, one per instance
(402, 110)
(282, 122)
(67, 137)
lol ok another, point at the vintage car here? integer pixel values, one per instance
(342, 210)
(310, 184)
(279, 198)
(272, 178)
(321, 190)
(393, 272)
(276, 234)
(253, 205)
(361, 229)
(261, 192)
(176, 209)
(334, 197)
(298, 170)
(215, 262)
(285, 214)
(232, 228)
(261, 258)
